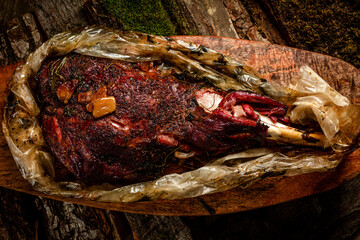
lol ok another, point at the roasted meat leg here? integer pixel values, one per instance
(109, 120)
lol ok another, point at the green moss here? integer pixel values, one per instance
(177, 18)
(141, 15)
(326, 26)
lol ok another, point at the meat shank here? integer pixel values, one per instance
(117, 121)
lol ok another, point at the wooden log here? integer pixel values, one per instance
(23, 35)
(43, 218)
(55, 17)
(17, 215)
(62, 220)
(201, 17)
(157, 227)
(97, 15)
(20, 38)
(12, 9)
(243, 22)
(209, 16)
(32, 29)
(7, 55)
(264, 22)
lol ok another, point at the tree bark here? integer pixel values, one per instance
(158, 227)
(17, 218)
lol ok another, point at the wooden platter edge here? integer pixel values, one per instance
(264, 193)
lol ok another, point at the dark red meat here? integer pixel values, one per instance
(154, 115)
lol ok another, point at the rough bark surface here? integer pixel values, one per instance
(98, 15)
(12, 9)
(61, 220)
(331, 215)
(55, 17)
(20, 37)
(158, 227)
(17, 218)
(242, 21)
(210, 17)
(7, 56)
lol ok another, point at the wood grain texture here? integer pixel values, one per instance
(158, 227)
(17, 208)
(68, 221)
(242, 21)
(276, 63)
(209, 16)
(55, 18)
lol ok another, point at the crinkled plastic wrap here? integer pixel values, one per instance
(310, 102)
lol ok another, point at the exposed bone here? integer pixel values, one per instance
(282, 133)
(212, 102)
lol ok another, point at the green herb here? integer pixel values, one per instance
(168, 155)
(55, 68)
(69, 111)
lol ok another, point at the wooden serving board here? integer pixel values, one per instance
(277, 64)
